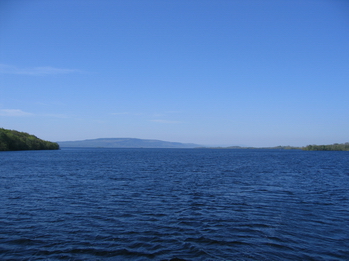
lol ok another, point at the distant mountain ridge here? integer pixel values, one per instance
(125, 143)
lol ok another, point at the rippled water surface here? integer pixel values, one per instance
(161, 204)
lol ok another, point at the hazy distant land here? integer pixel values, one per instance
(145, 143)
(125, 143)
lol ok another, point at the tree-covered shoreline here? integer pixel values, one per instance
(12, 140)
(332, 147)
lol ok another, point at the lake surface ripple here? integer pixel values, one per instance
(162, 204)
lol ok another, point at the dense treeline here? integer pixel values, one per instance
(15, 140)
(335, 146)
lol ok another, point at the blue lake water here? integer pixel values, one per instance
(162, 204)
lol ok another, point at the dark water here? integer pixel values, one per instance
(160, 204)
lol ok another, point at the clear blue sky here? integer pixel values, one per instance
(212, 72)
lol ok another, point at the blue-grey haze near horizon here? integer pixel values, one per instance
(158, 204)
(126, 143)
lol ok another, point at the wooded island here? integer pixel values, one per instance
(15, 140)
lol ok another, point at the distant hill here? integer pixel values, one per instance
(15, 140)
(125, 143)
